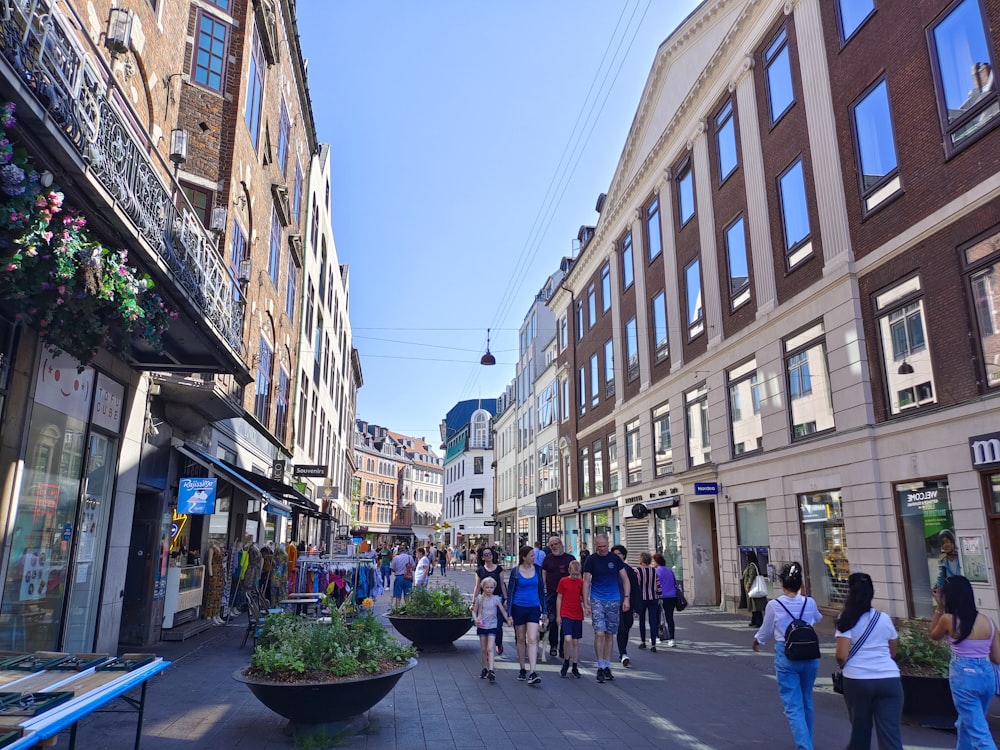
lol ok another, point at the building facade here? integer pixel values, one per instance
(467, 434)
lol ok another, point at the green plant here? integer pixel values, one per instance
(293, 649)
(444, 601)
(917, 654)
(76, 293)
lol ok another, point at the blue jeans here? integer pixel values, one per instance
(795, 686)
(972, 685)
(878, 702)
(386, 578)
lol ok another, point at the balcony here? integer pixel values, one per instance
(75, 120)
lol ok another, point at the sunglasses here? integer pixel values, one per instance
(487, 554)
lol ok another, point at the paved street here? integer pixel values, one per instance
(710, 692)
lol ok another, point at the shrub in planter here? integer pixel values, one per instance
(923, 665)
(433, 618)
(442, 602)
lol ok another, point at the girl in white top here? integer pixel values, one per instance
(872, 689)
(423, 568)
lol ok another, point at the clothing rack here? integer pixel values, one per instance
(314, 574)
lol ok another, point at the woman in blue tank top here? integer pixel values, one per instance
(526, 593)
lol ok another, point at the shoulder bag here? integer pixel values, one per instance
(838, 676)
(682, 601)
(758, 590)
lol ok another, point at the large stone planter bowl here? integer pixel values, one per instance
(429, 633)
(927, 702)
(326, 702)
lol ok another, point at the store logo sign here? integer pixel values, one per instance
(985, 450)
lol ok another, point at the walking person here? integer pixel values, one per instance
(975, 643)
(486, 611)
(556, 567)
(526, 588)
(540, 553)
(444, 557)
(384, 558)
(755, 604)
(649, 600)
(626, 617)
(569, 617)
(668, 594)
(866, 649)
(402, 567)
(606, 592)
(488, 568)
(795, 678)
(423, 569)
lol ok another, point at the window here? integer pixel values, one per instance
(853, 13)
(582, 390)
(744, 408)
(612, 463)
(579, 322)
(876, 146)
(778, 70)
(297, 192)
(985, 282)
(808, 382)
(291, 292)
(827, 565)
(794, 214)
(563, 332)
(564, 413)
(906, 357)
(598, 468)
(632, 349)
(606, 288)
(477, 465)
(685, 193)
(628, 271)
(281, 406)
(739, 273)
(659, 307)
(201, 202)
(633, 452)
(262, 383)
(477, 503)
(595, 391)
(585, 470)
(695, 307)
(609, 368)
(591, 305)
(699, 438)
(255, 89)
(725, 141)
(283, 127)
(274, 257)
(663, 454)
(963, 68)
(653, 240)
(210, 52)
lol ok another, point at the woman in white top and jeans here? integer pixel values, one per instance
(872, 689)
(795, 678)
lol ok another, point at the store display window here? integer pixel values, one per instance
(827, 563)
(666, 528)
(929, 543)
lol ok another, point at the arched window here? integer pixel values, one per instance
(480, 429)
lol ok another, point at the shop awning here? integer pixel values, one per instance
(671, 501)
(599, 506)
(220, 467)
(477, 493)
(400, 530)
(289, 495)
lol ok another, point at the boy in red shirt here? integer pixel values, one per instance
(569, 609)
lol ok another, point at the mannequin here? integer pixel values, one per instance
(255, 561)
(216, 571)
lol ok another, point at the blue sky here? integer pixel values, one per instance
(469, 142)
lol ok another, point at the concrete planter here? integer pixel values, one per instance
(927, 702)
(434, 634)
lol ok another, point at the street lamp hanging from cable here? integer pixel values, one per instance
(488, 359)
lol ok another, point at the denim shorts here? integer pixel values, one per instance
(486, 631)
(604, 615)
(523, 615)
(401, 587)
(572, 628)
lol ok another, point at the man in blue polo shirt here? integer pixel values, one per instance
(606, 591)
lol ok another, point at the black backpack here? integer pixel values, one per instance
(801, 641)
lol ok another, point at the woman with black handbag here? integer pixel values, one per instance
(866, 649)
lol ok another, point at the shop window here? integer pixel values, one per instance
(852, 14)
(751, 524)
(827, 563)
(606, 288)
(628, 270)
(699, 438)
(983, 260)
(632, 349)
(875, 145)
(744, 408)
(778, 72)
(808, 382)
(667, 539)
(653, 240)
(663, 454)
(609, 368)
(929, 543)
(685, 193)
(598, 468)
(725, 141)
(658, 306)
(736, 255)
(585, 471)
(633, 452)
(963, 74)
(906, 356)
(695, 304)
(794, 215)
(613, 463)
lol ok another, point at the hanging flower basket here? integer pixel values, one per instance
(76, 293)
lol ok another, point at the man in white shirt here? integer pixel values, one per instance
(423, 568)
(402, 567)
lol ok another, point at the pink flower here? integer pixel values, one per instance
(47, 236)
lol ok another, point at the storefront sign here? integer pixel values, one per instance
(61, 387)
(196, 496)
(973, 558)
(985, 450)
(706, 488)
(547, 504)
(490, 522)
(309, 470)
(107, 410)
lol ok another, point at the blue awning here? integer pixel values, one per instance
(236, 479)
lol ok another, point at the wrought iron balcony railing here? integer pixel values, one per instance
(80, 95)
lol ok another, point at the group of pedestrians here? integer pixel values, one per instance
(550, 589)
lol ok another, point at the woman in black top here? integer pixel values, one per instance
(488, 567)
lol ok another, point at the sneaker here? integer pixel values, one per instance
(553, 651)
(652, 649)
(482, 675)
(607, 674)
(600, 674)
(522, 675)
(492, 676)
(670, 643)
(575, 672)
(625, 660)
(565, 668)
(642, 646)
(534, 679)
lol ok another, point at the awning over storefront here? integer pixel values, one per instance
(299, 503)
(236, 478)
(599, 506)
(401, 531)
